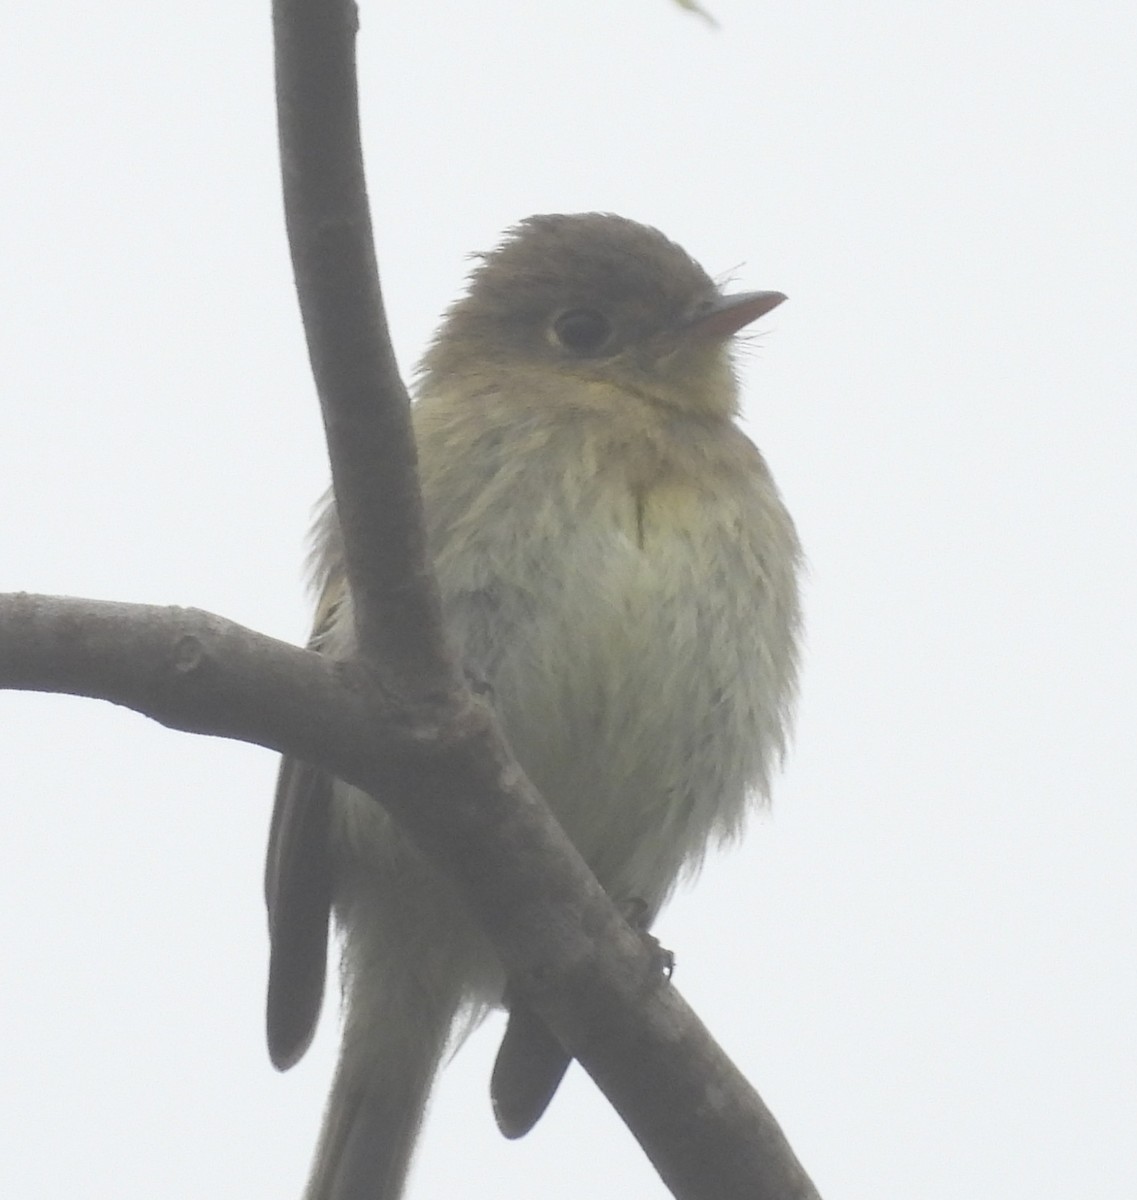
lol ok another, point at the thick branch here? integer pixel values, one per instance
(364, 402)
(447, 776)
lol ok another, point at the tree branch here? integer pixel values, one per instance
(362, 397)
(446, 774)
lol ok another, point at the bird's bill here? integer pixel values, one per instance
(726, 315)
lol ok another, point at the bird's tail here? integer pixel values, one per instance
(395, 1032)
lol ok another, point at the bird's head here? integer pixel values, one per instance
(602, 300)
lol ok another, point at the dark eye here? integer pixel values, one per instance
(582, 330)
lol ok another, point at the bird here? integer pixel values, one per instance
(620, 575)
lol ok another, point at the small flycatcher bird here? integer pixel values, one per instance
(619, 572)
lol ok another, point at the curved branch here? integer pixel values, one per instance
(363, 399)
(185, 668)
(445, 773)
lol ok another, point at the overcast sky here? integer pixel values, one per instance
(924, 957)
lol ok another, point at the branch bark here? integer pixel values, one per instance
(364, 402)
(445, 773)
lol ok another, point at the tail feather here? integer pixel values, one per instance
(529, 1068)
(379, 1093)
(411, 961)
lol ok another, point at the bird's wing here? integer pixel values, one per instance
(298, 892)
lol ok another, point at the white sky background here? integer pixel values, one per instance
(925, 957)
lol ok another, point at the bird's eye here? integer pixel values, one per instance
(582, 330)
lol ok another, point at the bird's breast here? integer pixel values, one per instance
(633, 622)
